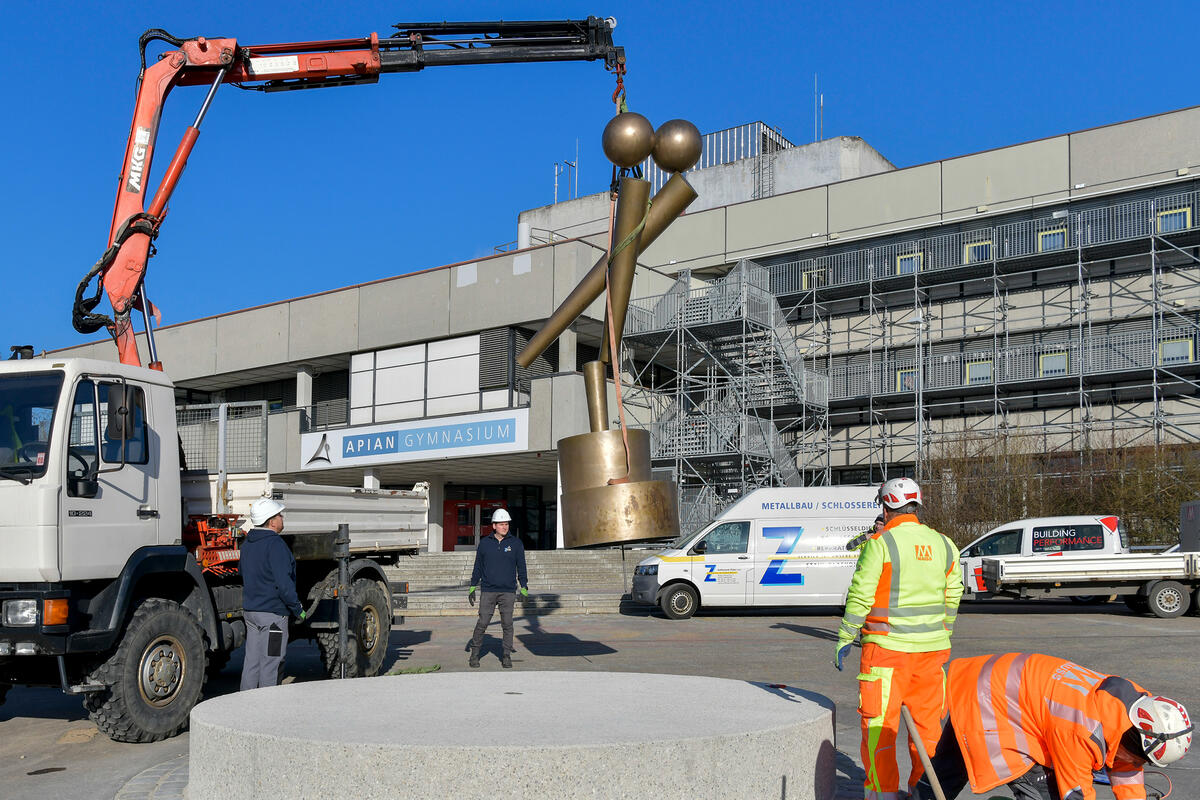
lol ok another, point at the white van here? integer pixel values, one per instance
(1041, 537)
(773, 547)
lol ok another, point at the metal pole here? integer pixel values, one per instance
(341, 551)
(222, 473)
(920, 745)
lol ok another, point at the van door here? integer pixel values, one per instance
(779, 576)
(1001, 543)
(725, 572)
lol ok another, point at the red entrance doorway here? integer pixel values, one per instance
(465, 522)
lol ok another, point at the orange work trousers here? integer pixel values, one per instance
(887, 679)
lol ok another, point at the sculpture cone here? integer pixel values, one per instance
(670, 201)
(631, 208)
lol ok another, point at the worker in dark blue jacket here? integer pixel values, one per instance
(268, 595)
(499, 566)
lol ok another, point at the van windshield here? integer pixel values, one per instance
(27, 404)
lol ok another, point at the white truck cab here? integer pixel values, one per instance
(773, 547)
(1041, 537)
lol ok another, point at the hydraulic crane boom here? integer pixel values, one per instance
(120, 272)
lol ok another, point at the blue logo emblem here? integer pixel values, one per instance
(774, 574)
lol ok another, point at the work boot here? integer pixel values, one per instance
(473, 661)
(506, 661)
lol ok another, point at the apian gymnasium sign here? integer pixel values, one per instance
(449, 437)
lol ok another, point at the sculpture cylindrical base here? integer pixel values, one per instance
(622, 513)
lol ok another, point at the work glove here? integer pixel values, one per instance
(303, 615)
(471, 595)
(524, 591)
(843, 651)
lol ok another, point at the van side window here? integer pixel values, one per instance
(728, 537)
(1000, 543)
(1067, 538)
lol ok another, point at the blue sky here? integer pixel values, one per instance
(299, 192)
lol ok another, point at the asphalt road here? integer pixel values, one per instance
(49, 749)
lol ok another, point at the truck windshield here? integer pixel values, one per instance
(27, 403)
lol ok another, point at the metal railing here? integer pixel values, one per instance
(751, 140)
(229, 437)
(1096, 355)
(1063, 230)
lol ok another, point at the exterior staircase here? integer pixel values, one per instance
(560, 582)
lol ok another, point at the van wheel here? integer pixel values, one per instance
(679, 601)
(1168, 599)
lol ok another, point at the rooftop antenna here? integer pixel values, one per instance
(816, 111)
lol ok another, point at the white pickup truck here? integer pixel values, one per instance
(1038, 539)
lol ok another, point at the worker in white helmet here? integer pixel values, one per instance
(268, 595)
(903, 597)
(499, 567)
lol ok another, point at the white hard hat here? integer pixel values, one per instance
(500, 515)
(263, 509)
(1164, 726)
(899, 492)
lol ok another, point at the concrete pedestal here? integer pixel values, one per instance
(527, 735)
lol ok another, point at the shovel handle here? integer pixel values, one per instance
(920, 745)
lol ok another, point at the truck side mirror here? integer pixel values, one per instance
(85, 486)
(117, 426)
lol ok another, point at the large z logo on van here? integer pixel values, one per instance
(774, 574)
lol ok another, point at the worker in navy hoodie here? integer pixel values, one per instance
(499, 566)
(268, 595)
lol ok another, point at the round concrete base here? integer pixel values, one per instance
(526, 735)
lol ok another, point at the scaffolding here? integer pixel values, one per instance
(741, 406)
(1073, 328)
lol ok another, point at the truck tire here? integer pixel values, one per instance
(1137, 603)
(679, 601)
(154, 677)
(1168, 599)
(370, 626)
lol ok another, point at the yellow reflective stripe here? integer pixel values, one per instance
(679, 559)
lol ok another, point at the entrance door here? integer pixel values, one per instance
(464, 522)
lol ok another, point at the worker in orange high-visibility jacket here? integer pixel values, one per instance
(904, 598)
(1043, 725)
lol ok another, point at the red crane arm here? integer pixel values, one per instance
(279, 67)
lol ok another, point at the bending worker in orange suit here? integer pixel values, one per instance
(1042, 725)
(904, 597)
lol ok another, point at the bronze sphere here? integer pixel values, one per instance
(677, 145)
(628, 139)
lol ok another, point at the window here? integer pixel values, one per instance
(812, 278)
(974, 252)
(906, 379)
(910, 263)
(1000, 543)
(27, 403)
(1176, 351)
(1052, 364)
(1055, 239)
(728, 537)
(1068, 538)
(1178, 219)
(979, 372)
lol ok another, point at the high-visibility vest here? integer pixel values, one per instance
(905, 591)
(1013, 711)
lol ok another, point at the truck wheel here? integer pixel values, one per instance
(679, 601)
(1168, 599)
(370, 626)
(1137, 603)
(154, 678)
